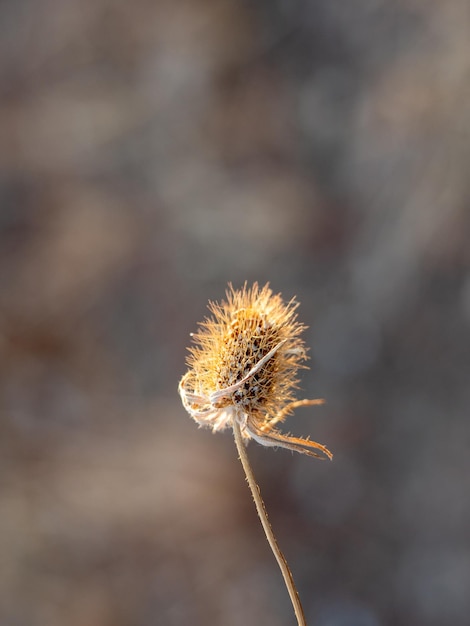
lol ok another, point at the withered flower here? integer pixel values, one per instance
(242, 375)
(243, 368)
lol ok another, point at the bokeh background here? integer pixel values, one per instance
(152, 151)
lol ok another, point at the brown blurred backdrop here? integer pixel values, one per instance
(150, 152)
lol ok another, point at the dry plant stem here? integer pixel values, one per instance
(286, 573)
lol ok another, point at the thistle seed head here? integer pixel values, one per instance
(243, 365)
(244, 329)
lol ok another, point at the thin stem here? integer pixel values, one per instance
(261, 509)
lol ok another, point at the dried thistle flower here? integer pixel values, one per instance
(242, 375)
(244, 366)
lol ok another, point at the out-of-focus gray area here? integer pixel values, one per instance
(151, 152)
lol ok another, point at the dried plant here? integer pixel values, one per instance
(242, 375)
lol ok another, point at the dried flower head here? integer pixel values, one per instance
(243, 368)
(242, 374)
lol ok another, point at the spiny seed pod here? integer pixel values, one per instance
(243, 367)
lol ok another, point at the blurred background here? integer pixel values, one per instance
(150, 152)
